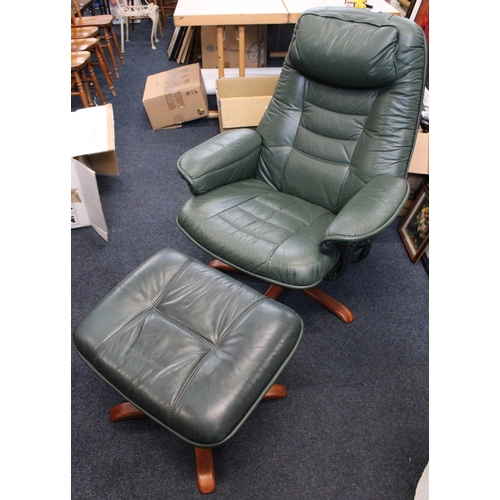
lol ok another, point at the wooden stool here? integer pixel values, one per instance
(93, 46)
(80, 61)
(167, 8)
(84, 32)
(105, 25)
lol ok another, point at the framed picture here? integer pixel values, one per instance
(412, 9)
(414, 229)
(418, 11)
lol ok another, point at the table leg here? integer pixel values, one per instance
(220, 50)
(241, 50)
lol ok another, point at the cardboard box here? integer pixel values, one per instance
(418, 170)
(93, 138)
(420, 160)
(255, 46)
(86, 209)
(211, 75)
(241, 102)
(92, 151)
(175, 96)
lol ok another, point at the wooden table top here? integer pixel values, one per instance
(229, 12)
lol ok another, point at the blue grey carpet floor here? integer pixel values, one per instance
(355, 423)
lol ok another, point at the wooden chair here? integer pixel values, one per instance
(93, 46)
(80, 61)
(167, 8)
(105, 25)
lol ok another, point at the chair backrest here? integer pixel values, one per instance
(76, 9)
(347, 104)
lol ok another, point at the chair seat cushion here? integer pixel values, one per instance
(192, 348)
(271, 235)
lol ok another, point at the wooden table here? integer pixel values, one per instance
(229, 12)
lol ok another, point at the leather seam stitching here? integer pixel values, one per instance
(285, 161)
(291, 233)
(294, 217)
(200, 364)
(228, 209)
(143, 313)
(229, 165)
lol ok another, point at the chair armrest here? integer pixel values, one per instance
(368, 212)
(228, 157)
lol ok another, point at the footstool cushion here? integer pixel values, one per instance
(189, 346)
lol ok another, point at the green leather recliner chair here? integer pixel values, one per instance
(306, 193)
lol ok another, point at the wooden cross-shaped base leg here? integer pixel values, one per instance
(315, 293)
(329, 303)
(205, 469)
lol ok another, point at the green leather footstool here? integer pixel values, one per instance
(191, 348)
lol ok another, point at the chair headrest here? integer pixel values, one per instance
(345, 47)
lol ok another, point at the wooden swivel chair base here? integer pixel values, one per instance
(315, 293)
(205, 469)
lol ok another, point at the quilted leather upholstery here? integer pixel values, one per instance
(362, 49)
(191, 347)
(327, 163)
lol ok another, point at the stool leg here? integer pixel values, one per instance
(277, 391)
(81, 90)
(101, 59)
(221, 266)
(273, 292)
(115, 43)
(97, 87)
(125, 411)
(85, 80)
(205, 469)
(108, 45)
